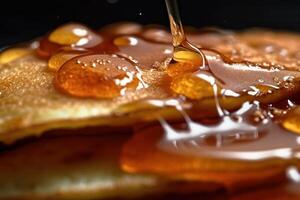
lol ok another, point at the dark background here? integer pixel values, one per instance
(25, 20)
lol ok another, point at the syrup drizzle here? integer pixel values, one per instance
(227, 124)
(196, 130)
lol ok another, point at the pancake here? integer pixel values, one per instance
(30, 104)
(84, 114)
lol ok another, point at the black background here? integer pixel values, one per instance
(24, 20)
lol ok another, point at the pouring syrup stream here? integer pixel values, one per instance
(180, 43)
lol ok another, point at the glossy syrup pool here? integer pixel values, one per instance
(238, 107)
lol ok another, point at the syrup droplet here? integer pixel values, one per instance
(192, 86)
(188, 57)
(57, 60)
(176, 69)
(123, 28)
(145, 53)
(184, 62)
(10, 55)
(69, 35)
(157, 35)
(291, 121)
(47, 48)
(125, 41)
(260, 90)
(98, 76)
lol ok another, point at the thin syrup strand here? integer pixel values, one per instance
(178, 36)
(175, 23)
(181, 43)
